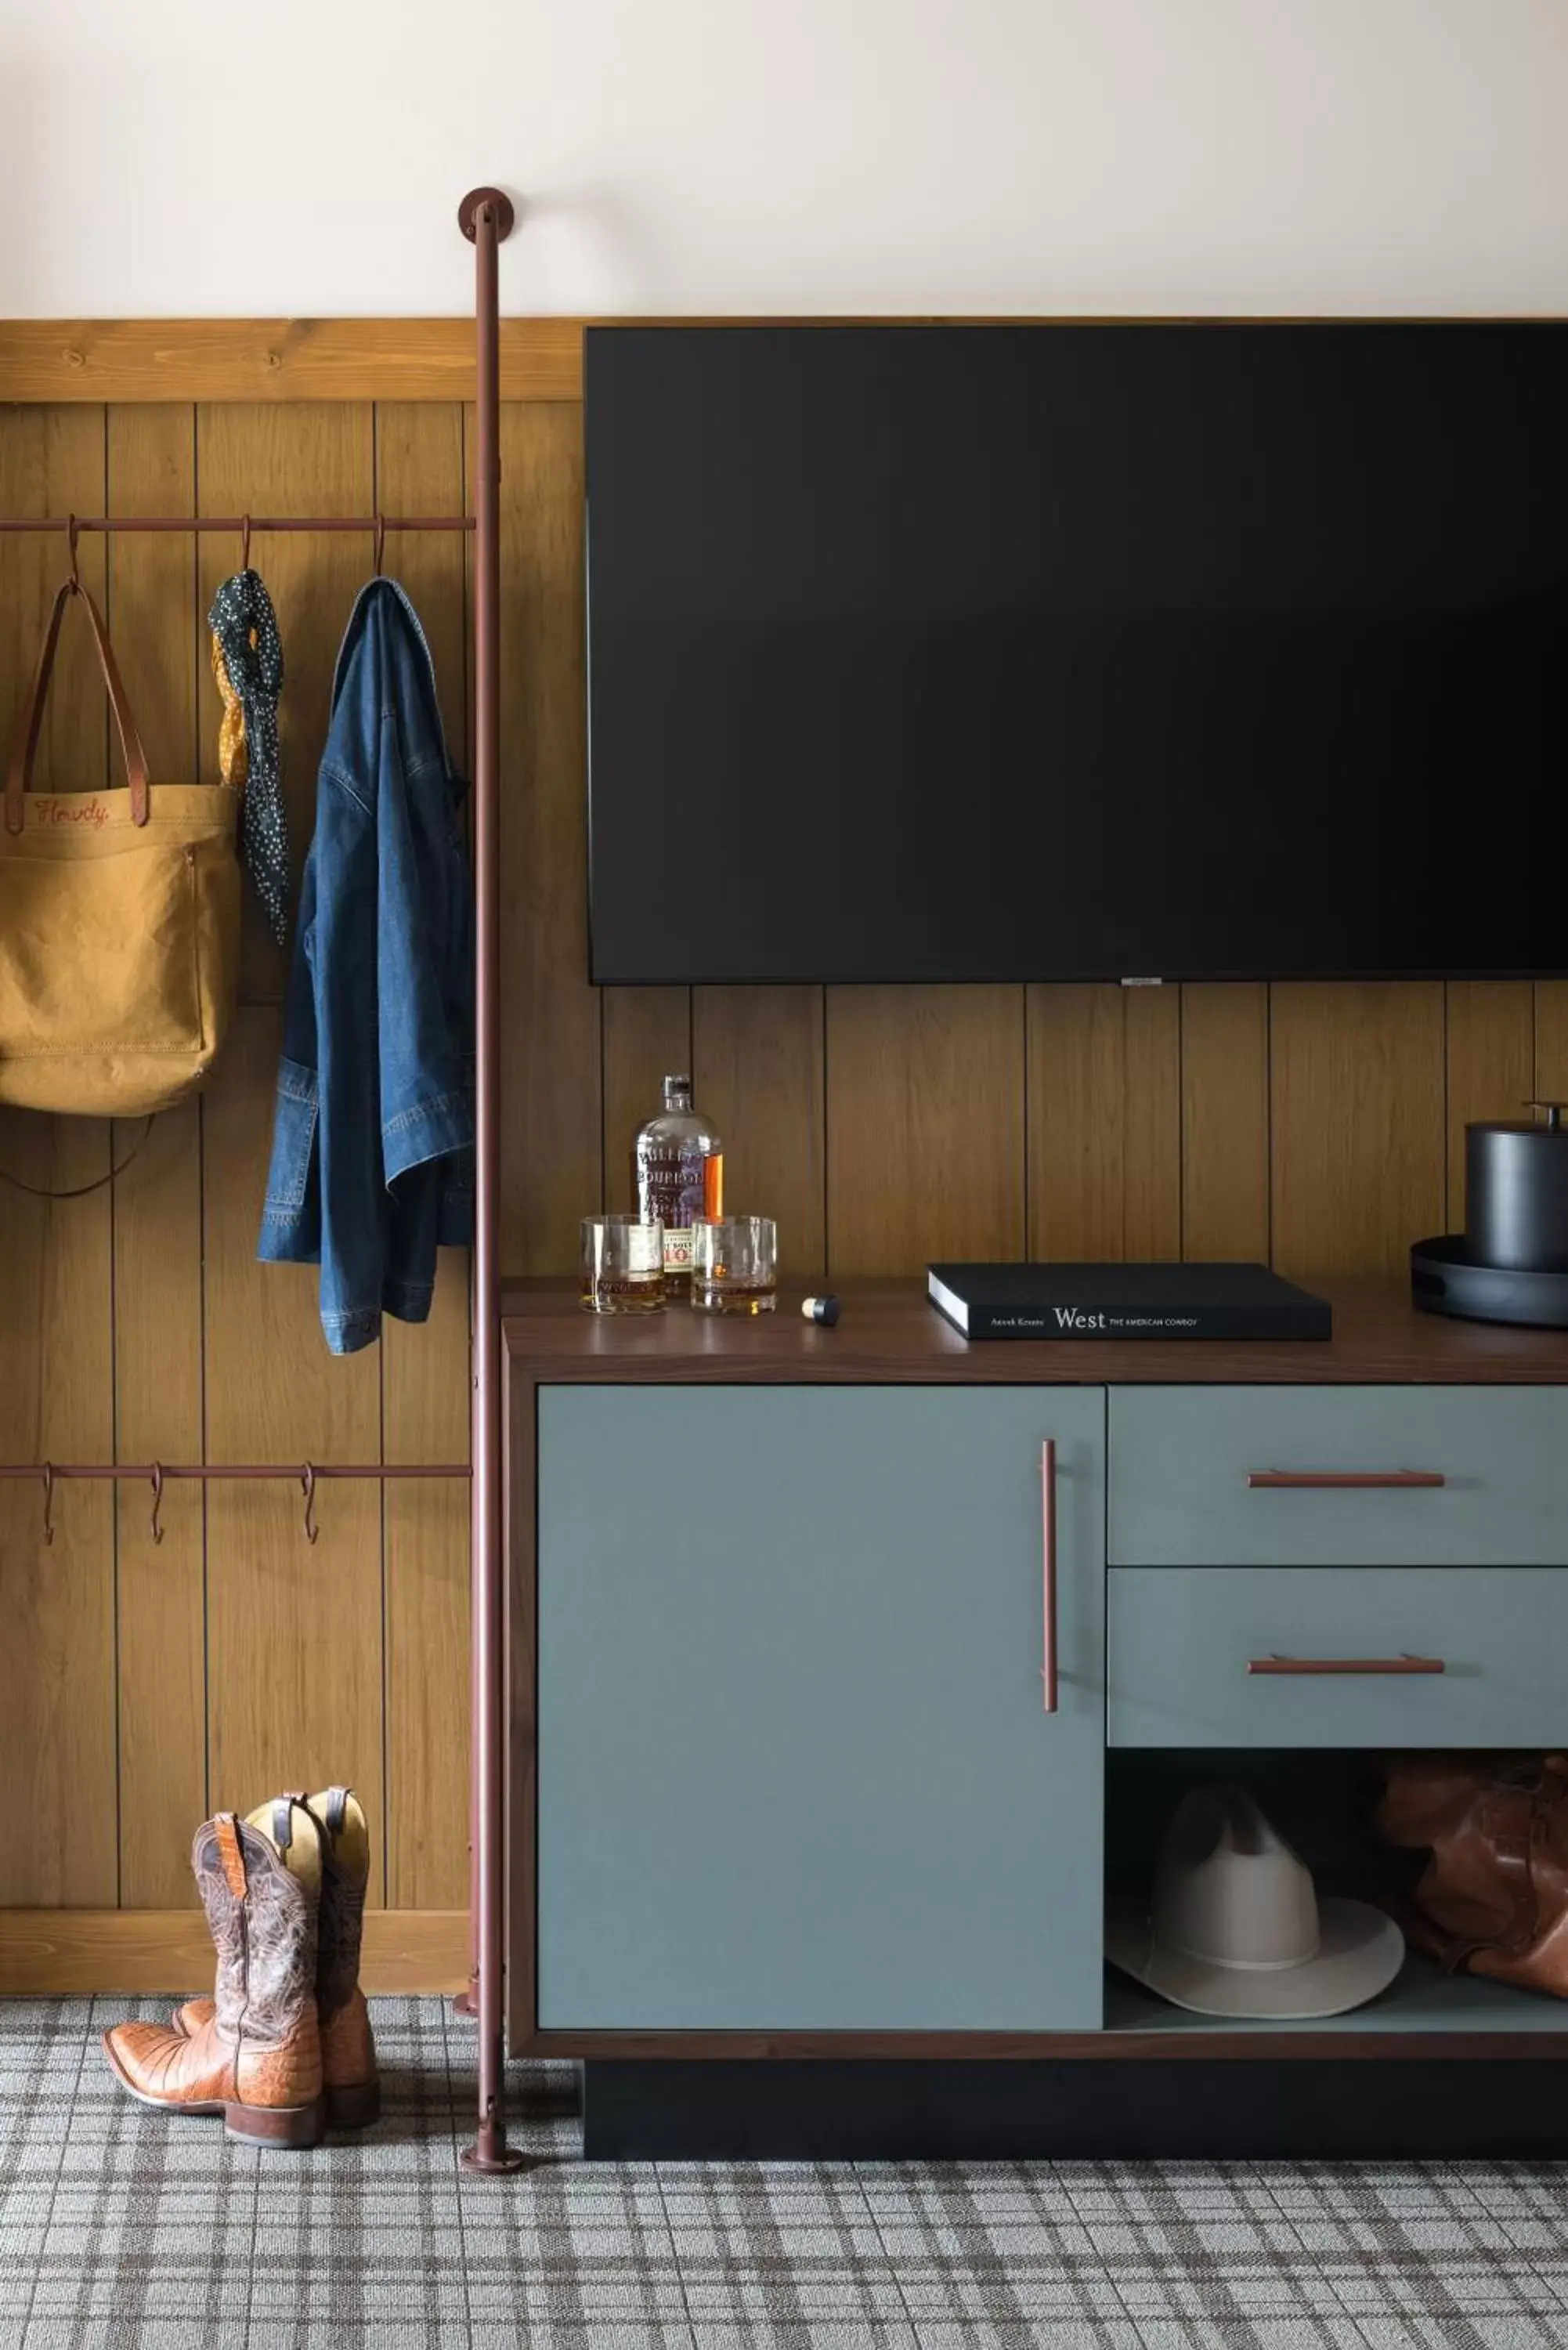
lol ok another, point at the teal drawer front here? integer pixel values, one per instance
(1180, 1458)
(794, 1765)
(1179, 1643)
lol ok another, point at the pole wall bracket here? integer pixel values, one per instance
(505, 213)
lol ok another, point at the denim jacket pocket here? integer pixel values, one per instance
(293, 1139)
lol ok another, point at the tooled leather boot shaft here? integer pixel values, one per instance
(341, 1928)
(220, 1868)
(342, 1931)
(280, 1946)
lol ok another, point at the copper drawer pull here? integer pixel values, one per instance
(1345, 1665)
(1337, 1481)
(1048, 1574)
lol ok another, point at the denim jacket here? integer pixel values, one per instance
(372, 1155)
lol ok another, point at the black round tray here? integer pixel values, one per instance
(1444, 1279)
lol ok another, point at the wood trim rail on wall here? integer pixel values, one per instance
(54, 359)
(69, 1953)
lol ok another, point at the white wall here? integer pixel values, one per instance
(162, 157)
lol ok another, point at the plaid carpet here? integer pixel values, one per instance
(117, 2227)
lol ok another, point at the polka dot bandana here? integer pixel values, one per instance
(247, 662)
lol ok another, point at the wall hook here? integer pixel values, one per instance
(48, 1477)
(244, 542)
(156, 1530)
(307, 1487)
(380, 550)
(71, 529)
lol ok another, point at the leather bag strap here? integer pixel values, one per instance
(30, 717)
(79, 1191)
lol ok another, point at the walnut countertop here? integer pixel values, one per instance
(889, 1331)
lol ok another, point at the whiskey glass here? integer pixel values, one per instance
(735, 1265)
(622, 1266)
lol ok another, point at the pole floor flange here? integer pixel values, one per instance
(492, 2162)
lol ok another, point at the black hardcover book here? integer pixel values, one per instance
(1126, 1301)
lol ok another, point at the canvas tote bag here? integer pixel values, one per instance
(119, 921)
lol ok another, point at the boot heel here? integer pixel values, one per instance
(354, 2108)
(291, 2126)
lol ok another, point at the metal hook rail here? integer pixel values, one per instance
(306, 1474)
(116, 526)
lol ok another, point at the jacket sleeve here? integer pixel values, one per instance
(353, 1198)
(427, 1084)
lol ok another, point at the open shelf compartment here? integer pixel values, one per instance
(1319, 1801)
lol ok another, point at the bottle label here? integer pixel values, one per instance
(675, 1184)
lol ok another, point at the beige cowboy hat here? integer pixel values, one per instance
(1236, 1927)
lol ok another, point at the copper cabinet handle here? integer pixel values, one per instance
(1048, 1574)
(1344, 1480)
(1345, 1665)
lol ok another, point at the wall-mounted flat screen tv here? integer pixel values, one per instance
(1077, 651)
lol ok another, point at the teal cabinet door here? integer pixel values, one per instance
(794, 1768)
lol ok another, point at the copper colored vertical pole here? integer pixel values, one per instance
(486, 216)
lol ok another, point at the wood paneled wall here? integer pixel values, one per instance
(1319, 1126)
(142, 1684)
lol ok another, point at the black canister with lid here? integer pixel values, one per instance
(1516, 1191)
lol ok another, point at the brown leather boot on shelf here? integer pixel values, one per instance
(256, 2057)
(352, 2085)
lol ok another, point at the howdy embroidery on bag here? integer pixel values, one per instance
(46, 810)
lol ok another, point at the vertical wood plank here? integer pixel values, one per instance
(760, 1076)
(52, 463)
(1551, 1080)
(294, 1631)
(1491, 1067)
(158, 1233)
(551, 1107)
(427, 1571)
(58, 1825)
(294, 1644)
(1225, 1123)
(313, 458)
(1105, 1123)
(1358, 1143)
(427, 1614)
(425, 1367)
(925, 1119)
(419, 470)
(646, 1037)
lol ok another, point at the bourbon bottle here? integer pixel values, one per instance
(678, 1168)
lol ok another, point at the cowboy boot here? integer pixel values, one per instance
(256, 2057)
(350, 2078)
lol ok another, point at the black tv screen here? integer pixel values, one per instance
(1077, 651)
